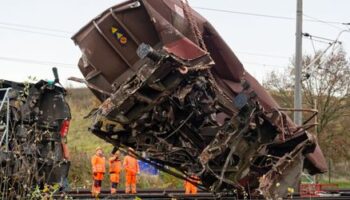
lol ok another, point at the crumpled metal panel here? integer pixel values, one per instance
(186, 103)
(32, 154)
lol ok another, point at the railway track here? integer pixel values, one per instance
(179, 195)
(143, 194)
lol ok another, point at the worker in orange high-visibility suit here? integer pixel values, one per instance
(190, 188)
(98, 163)
(131, 167)
(115, 166)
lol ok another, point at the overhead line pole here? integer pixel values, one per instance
(298, 63)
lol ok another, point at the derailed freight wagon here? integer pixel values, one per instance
(34, 122)
(172, 88)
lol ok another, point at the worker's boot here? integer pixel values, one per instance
(93, 191)
(98, 191)
(187, 189)
(133, 188)
(127, 189)
(114, 188)
(194, 189)
(96, 188)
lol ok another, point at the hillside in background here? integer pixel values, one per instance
(81, 102)
(81, 142)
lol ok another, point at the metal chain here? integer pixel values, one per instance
(200, 41)
(194, 25)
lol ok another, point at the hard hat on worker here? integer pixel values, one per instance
(117, 153)
(131, 149)
(98, 148)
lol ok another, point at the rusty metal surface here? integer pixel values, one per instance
(32, 154)
(171, 87)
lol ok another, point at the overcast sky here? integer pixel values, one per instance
(262, 43)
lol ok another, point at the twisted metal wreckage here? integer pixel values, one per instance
(172, 88)
(34, 120)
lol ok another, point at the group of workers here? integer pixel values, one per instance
(131, 167)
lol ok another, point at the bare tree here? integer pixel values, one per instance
(326, 83)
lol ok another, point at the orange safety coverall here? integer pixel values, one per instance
(115, 166)
(131, 167)
(191, 188)
(98, 168)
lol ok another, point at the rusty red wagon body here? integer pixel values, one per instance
(171, 87)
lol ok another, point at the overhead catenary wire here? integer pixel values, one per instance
(313, 45)
(264, 64)
(333, 44)
(45, 30)
(331, 24)
(267, 16)
(244, 13)
(74, 66)
(262, 55)
(62, 36)
(35, 32)
(66, 37)
(40, 62)
(34, 27)
(318, 37)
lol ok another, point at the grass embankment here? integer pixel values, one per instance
(82, 145)
(342, 181)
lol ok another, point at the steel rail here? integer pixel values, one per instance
(179, 194)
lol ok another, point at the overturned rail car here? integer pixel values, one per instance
(171, 87)
(34, 122)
